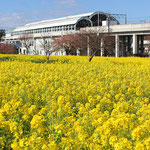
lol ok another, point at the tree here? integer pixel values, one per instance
(6, 48)
(93, 41)
(47, 44)
(97, 41)
(26, 41)
(68, 43)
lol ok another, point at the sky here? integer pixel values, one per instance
(14, 13)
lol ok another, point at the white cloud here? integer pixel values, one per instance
(11, 20)
(67, 2)
(58, 8)
(8, 21)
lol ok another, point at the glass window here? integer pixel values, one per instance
(57, 28)
(64, 28)
(49, 29)
(67, 27)
(70, 27)
(60, 28)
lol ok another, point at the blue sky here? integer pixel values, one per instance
(14, 13)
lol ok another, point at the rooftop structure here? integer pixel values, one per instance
(66, 23)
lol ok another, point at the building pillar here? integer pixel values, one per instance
(138, 44)
(102, 47)
(142, 44)
(128, 45)
(88, 47)
(135, 51)
(117, 45)
(78, 52)
(19, 50)
(34, 45)
(123, 46)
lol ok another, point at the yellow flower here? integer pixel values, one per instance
(13, 126)
(113, 140)
(72, 104)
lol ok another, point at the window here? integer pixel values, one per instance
(60, 28)
(70, 27)
(64, 28)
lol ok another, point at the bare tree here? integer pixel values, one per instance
(35, 51)
(47, 44)
(26, 41)
(97, 41)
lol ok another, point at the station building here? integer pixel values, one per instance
(57, 27)
(133, 37)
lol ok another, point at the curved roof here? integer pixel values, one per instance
(84, 18)
(57, 22)
(106, 14)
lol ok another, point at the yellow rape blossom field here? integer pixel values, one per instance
(68, 103)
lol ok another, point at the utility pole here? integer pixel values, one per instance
(108, 19)
(125, 18)
(98, 19)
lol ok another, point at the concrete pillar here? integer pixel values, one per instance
(138, 44)
(78, 52)
(124, 46)
(19, 50)
(117, 45)
(135, 44)
(142, 44)
(88, 47)
(34, 45)
(102, 47)
(128, 45)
